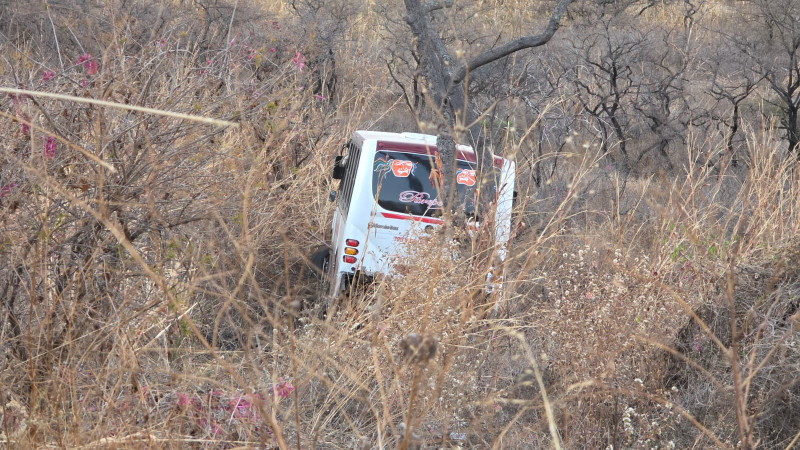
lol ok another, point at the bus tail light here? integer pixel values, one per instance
(349, 259)
(351, 242)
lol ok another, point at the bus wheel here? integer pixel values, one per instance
(321, 260)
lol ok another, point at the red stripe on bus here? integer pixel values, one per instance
(422, 149)
(407, 217)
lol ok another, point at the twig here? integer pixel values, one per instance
(229, 43)
(548, 407)
(55, 36)
(161, 333)
(64, 141)
(91, 101)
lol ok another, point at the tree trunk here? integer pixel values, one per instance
(445, 80)
(729, 149)
(792, 133)
(623, 148)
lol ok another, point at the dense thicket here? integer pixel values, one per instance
(154, 288)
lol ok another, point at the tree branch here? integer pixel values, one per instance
(402, 87)
(435, 5)
(513, 46)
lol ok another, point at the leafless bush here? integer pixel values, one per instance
(153, 269)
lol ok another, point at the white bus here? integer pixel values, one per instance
(386, 195)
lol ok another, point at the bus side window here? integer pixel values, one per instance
(348, 181)
(339, 164)
(343, 162)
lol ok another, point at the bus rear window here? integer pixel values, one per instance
(401, 183)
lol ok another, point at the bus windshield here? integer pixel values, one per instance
(401, 182)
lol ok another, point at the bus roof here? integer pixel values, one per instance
(415, 143)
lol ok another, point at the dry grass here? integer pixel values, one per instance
(156, 292)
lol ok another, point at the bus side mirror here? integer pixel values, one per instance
(338, 168)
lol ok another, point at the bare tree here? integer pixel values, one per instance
(541, 92)
(403, 70)
(663, 100)
(733, 92)
(324, 22)
(776, 57)
(605, 80)
(445, 77)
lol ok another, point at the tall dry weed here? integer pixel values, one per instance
(156, 291)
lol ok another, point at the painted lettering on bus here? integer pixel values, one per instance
(420, 198)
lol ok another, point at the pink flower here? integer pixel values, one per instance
(241, 402)
(299, 60)
(319, 97)
(50, 147)
(91, 67)
(88, 63)
(272, 50)
(83, 83)
(283, 389)
(243, 406)
(25, 127)
(48, 75)
(183, 400)
(17, 99)
(5, 190)
(216, 431)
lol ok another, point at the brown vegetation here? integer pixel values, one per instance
(154, 277)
